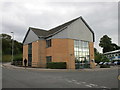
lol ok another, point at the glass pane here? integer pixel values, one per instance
(81, 50)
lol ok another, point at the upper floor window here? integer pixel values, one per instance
(48, 43)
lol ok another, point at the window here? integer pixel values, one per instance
(48, 43)
(81, 49)
(49, 59)
(30, 48)
(30, 54)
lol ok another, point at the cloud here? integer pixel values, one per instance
(18, 16)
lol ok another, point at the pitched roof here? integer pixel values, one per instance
(53, 30)
(46, 33)
(41, 32)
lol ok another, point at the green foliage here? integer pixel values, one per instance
(104, 59)
(105, 41)
(7, 58)
(100, 57)
(56, 65)
(107, 45)
(7, 48)
(104, 66)
(7, 45)
(18, 57)
(5, 36)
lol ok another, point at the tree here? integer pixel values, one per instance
(104, 59)
(107, 45)
(115, 47)
(7, 44)
(100, 57)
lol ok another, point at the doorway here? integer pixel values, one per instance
(81, 63)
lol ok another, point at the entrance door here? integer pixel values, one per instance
(81, 63)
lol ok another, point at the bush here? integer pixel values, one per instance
(56, 65)
(18, 57)
(17, 60)
(104, 66)
(6, 58)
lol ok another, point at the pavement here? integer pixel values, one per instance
(8, 65)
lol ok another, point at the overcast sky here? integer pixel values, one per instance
(18, 16)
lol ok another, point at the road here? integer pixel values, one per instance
(23, 78)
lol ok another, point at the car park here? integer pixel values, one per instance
(118, 63)
(109, 63)
(105, 63)
(115, 63)
(100, 63)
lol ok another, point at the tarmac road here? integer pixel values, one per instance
(25, 78)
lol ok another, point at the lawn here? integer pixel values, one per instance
(7, 58)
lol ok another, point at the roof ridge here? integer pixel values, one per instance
(59, 27)
(37, 28)
(72, 20)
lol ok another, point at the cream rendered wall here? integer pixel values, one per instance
(76, 30)
(31, 37)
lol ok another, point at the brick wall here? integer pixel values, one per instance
(25, 53)
(91, 47)
(62, 50)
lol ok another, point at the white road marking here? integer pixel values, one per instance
(83, 82)
(103, 87)
(69, 81)
(73, 80)
(93, 85)
(88, 85)
(78, 83)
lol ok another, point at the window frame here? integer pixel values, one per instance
(48, 59)
(48, 43)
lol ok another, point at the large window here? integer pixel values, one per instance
(48, 43)
(81, 50)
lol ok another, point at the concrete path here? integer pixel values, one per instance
(8, 65)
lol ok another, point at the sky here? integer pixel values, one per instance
(18, 15)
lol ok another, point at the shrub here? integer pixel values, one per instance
(17, 60)
(18, 57)
(56, 65)
(104, 66)
(6, 58)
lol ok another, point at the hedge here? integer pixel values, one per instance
(56, 65)
(104, 66)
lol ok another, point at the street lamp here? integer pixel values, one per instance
(12, 47)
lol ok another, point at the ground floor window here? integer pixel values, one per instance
(49, 59)
(81, 51)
